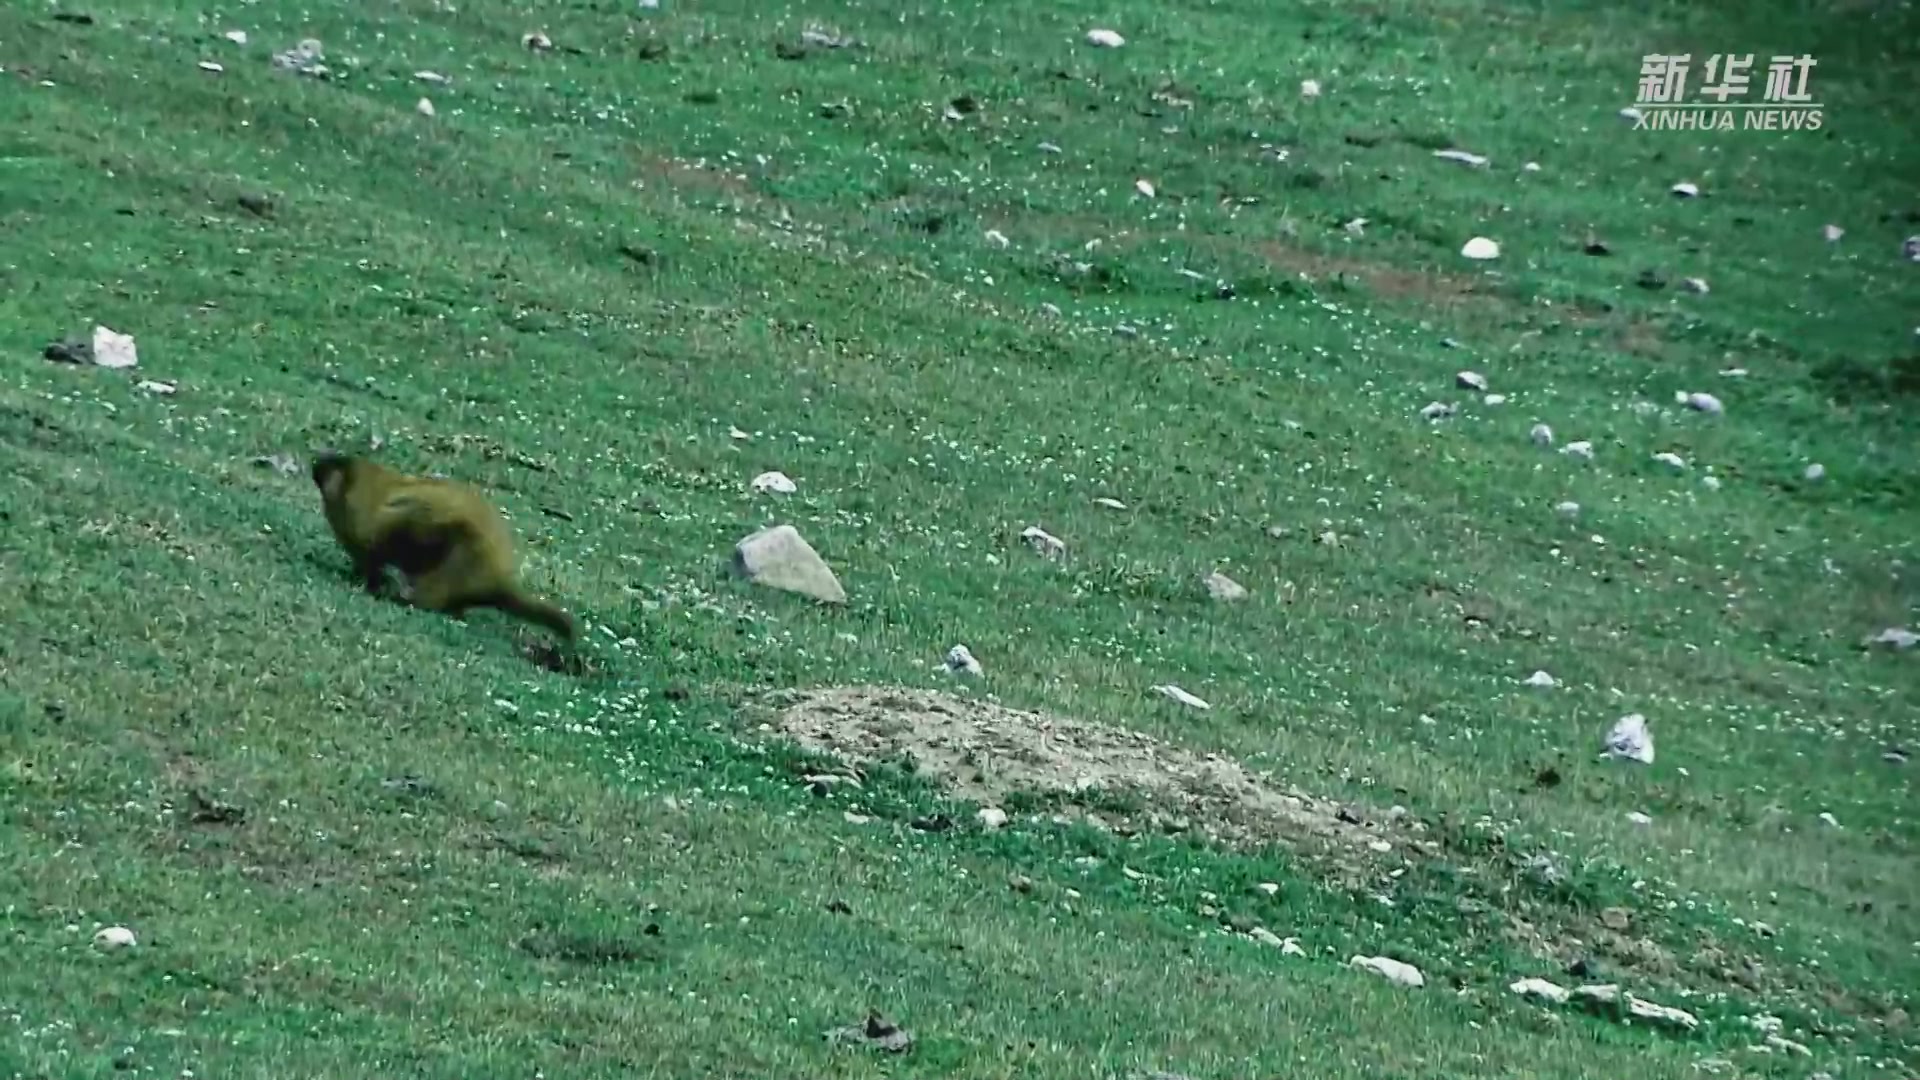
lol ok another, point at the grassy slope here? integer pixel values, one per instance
(591, 876)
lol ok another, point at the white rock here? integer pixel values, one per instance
(1827, 816)
(1462, 156)
(1895, 637)
(1670, 459)
(1686, 190)
(1437, 410)
(113, 937)
(1105, 39)
(1494, 399)
(1639, 818)
(1642, 1009)
(961, 662)
(1911, 249)
(113, 350)
(991, 817)
(210, 66)
(1471, 380)
(536, 41)
(1291, 947)
(1480, 248)
(1631, 113)
(1542, 435)
(775, 482)
(1710, 482)
(1223, 588)
(1734, 372)
(1044, 542)
(238, 37)
(780, 558)
(1832, 232)
(1567, 509)
(1629, 739)
(1265, 936)
(1109, 503)
(997, 238)
(1815, 472)
(1697, 286)
(1309, 88)
(1394, 970)
(1541, 989)
(1268, 888)
(1581, 449)
(1144, 187)
(1700, 402)
(1174, 693)
(1356, 227)
(423, 107)
(152, 386)
(432, 77)
(1531, 166)
(1541, 679)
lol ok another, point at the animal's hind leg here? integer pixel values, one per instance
(439, 590)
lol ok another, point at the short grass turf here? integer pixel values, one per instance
(916, 272)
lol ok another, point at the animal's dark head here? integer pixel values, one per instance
(326, 467)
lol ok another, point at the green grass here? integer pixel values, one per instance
(453, 863)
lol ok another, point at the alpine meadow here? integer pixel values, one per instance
(1138, 540)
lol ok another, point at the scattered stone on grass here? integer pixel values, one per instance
(877, 1032)
(1471, 380)
(1815, 472)
(960, 661)
(1685, 190)
(991, 817)
(1438, 410)
(1309, 88)
(1670, 459)
(424, 107)
(1541, 434)
(1393, 970)
(1581, 449)
(1105, 39)
(1223, 588)
(1699, 402)
(1542, 990)
(1911, 249)
(1832, 232)
(1480, 249)
(776, 483)
(1464, 157)
(1111, 504)
(284, 464)
(303, 59)
(985, 753)
(780, 558)
(1542, 679)
(1043, 542)
(536, 41)
(1630, 739)
(110, 938)
(107, 349)
(1895, 637)
(1174, 693)
(1697, 286)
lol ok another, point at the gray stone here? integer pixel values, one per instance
(780, 558)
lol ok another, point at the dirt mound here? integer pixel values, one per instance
(984, 753)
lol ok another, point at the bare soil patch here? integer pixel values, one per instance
(986, 753)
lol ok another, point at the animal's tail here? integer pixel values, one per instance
(533, 609)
